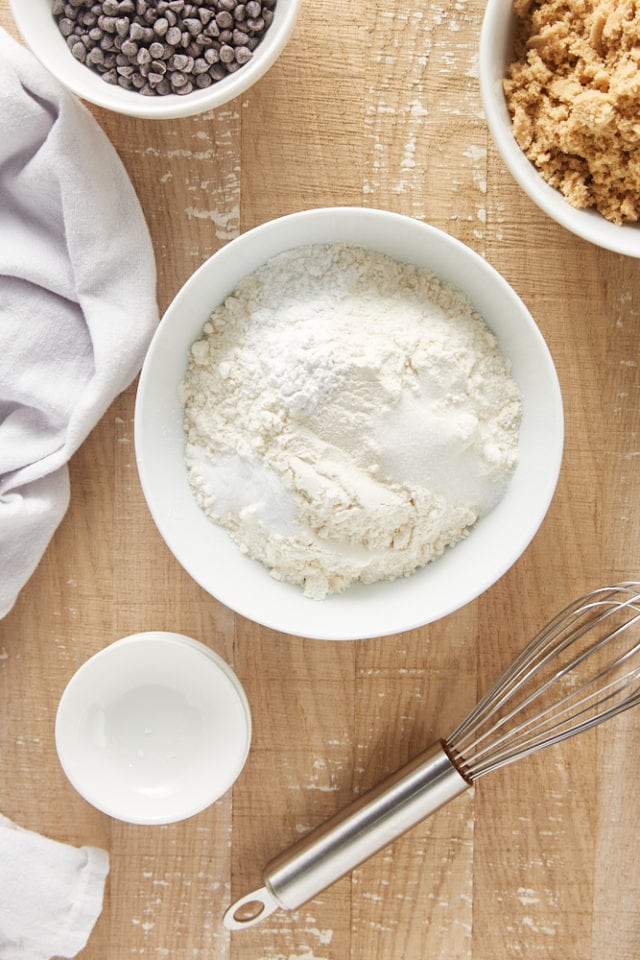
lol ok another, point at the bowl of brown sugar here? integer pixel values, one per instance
(156, 59)
(560, 85)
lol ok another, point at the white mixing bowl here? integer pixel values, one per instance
(462, 573)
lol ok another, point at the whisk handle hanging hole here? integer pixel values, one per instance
(361, 829)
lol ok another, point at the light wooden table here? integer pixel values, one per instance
(379, 108)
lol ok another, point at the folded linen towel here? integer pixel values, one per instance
(77, 299)
(50, 894)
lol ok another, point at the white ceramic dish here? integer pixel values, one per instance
(462, 573)
(496, 53)
(153, 728)
(38, 28)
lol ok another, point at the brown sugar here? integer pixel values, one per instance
(573, 92)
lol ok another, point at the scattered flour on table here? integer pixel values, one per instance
(347, 417)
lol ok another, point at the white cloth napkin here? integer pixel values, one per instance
(77, 299)
(50, 894)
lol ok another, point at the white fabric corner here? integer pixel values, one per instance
(51, 894)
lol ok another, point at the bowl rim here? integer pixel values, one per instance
(133, 104)
(82, 676)
(496, 33)
(333, 626)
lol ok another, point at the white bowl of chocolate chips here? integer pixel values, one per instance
(156, 58)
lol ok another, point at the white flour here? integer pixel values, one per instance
(347, 417)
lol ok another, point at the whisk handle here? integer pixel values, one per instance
(352, 835)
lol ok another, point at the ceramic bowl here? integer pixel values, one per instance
(462, 573)
(153, 728)
(39, 30)
(496, 53)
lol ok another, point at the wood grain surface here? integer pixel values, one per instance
(374, 104)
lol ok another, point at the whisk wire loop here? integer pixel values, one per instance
(569, 698)
(502, 728)
(521, 669)
(554, 733)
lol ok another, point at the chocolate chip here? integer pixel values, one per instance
(243, 54)
(95, 56)
(136, 31)
(193, 26)
(182, 63)
(108, 24)
(224, 19)
(174, 36)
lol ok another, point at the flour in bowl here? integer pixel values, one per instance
(347, 417)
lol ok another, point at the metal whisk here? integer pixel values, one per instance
(579, 670)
